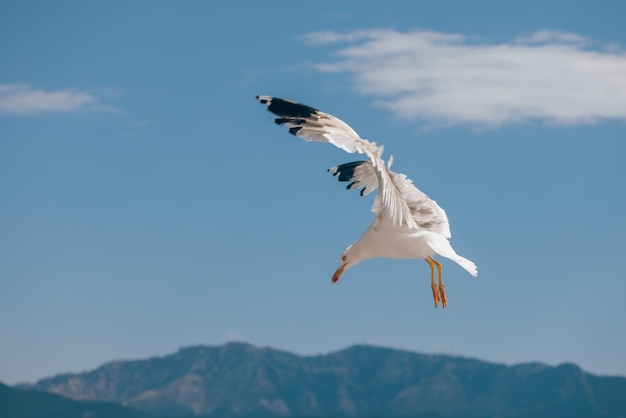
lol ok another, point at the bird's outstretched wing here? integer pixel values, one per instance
(312, 124)
(397, 199)
(426, 213)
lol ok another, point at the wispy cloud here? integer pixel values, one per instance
(22, 99)
(443, 78)
(554, 36)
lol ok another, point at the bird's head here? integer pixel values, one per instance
(349, 258)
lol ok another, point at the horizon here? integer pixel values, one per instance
(301, 355)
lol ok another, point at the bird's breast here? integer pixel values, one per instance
(392, 242)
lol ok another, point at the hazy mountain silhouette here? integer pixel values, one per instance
(18, 403)
(242, 380)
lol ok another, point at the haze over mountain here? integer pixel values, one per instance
(17, 403)
(239, 379)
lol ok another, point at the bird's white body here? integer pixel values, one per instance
(383, 239)
(407, 224)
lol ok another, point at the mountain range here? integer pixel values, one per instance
(18, 403)
(241, 380)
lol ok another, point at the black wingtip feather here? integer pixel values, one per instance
(294, 130)
(287, 108)
(346, 175)
(346, 171)
(281, 121)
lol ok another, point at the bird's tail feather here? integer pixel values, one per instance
(467, 265)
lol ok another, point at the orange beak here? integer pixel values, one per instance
(338, 273)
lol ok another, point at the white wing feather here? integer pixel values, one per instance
(426, 213)
(398, 199)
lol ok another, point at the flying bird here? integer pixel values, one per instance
(407, 223)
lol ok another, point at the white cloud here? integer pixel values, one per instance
(445, 78)
(22, 99)
(554, 36)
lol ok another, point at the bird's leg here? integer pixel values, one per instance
(433, 286)
(442, 289)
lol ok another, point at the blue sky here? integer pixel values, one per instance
(149, 202)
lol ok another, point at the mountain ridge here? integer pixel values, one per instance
(38, 404)
(238, 379)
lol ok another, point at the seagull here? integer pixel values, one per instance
(407, 223)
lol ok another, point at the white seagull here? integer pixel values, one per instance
(408, 224)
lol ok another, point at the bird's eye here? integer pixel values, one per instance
(343, 258)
